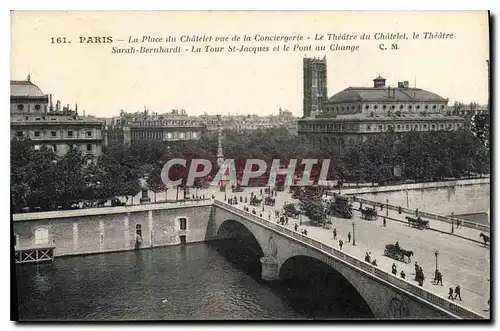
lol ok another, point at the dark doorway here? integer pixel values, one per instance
(183, 239)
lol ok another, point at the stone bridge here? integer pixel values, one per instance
(386, 295)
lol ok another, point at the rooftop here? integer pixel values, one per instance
(384, 117)
(386, 94)
(24, 88)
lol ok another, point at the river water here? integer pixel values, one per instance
(171, 283)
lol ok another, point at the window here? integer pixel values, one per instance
(393, 107)
(37, 107)
(53, 133)
(70, 133)
(426, 107)
(409, 107)
(384, 107)
(367, 107)
(407, 127)
(182, 239)
(37, 133)
(458, 125)
(401, 107)
(380, 127)
(399, 127)
(26, 118)
(425, 126)
(368, 128)
(195, 135)
(375, 107)
(434, 107)
(418, 107)
(389, 127)
(441, 126)
(415, 126)
(442, 106)
(19, 133)
(449, 126)
(54, 148)
(41, 236)
(183, 223)
(37, 119)
(89, 133)
(20, 107)
(89, 147)
(138, 229)
(433, 126)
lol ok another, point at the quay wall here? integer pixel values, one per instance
(443, 198)
(101, 230)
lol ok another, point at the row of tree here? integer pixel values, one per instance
(39, 179)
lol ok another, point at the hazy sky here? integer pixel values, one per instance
(103, 83)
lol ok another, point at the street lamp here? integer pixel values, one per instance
(353, 234)
(436, 253)
(386, 207)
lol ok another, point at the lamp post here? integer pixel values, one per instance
(353, 233)
(386, 207)
(436, 253)
(300, 218)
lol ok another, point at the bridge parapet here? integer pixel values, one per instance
(357, 264)
(441, 218)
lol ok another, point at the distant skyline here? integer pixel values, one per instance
(219, 83)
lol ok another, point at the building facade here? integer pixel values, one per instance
(173, 126)
(33, 117)
(362, 111)
(315, 85)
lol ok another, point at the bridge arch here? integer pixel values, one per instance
(330, 293)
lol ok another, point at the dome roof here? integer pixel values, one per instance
(24, 88)
(374, 94)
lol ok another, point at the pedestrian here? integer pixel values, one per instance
(341, 243)
(213, 196)
(394, 269)
(403, 275)
(399, 209)
(374, 262)
(440, 278)
(334, 233)
(260, 214)
(384, 222)
(349, 237)
(450, 293)
(241, 198)
(457, 293)
(305, 232)
(416, 212)
(367, 257)
(260, 191)
(416, 269)
(296, 227)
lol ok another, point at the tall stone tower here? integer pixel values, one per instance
(220, 154)
(315, 85)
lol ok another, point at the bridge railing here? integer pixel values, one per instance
(356, 263)
(441, 218)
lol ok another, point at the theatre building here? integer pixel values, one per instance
(363, 111)
(33, 117)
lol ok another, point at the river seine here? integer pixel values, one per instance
(169, 283)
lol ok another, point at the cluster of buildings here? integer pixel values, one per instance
(353, 112)
(368, 110)
(60, 128)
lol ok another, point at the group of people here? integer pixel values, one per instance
(457, 294)
(419, 274)
(368, 259)
(303, 230)
(438, 278)
(395, 271)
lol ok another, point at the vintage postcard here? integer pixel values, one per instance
(274, 165)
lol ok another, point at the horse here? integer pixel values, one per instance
(408, 254)
(485, 238)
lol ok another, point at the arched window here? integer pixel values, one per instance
(183, 223)
(375, 107)
(41, 236)
(384, 107)
(367, 107)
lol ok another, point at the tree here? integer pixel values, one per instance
(155, 182)
(313, 208)
(480, 126)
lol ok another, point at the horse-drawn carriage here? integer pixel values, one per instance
(268, 201)
(254, 201)
(397, 253)
(291, 211)
(369, 213)
(340, 206)
(417, 223)
(237, 188)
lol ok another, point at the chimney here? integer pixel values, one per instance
(58, 105)
(76, 108)
(51, 106)
(388, 91)
(401, 85)
(406, 84)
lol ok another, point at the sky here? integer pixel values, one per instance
(102, 83)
